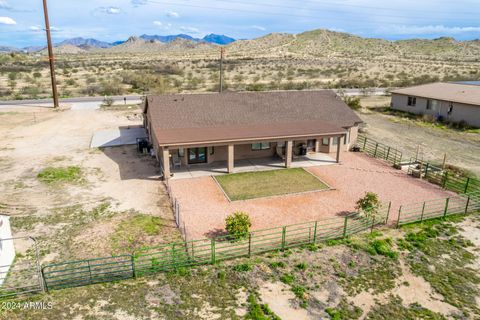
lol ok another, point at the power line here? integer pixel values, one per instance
(268, 13)
(343, 5)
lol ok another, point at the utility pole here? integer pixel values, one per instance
(222, 51)
(50, 56)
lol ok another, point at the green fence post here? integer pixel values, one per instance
(426, 170)
(364, 143)
(466, 185)
(399, 214)
(249, 244)
(284, 231)
(315, 233)
(446, 207)
(373, 223)
(89, 271)
(174, 263)
(388, 153)
(466, 206)
(44, 279)
(445, 178)
(212, 249)
(423, 211)
(345, 227)
(375, 153)
(132, 261)
(388, 212)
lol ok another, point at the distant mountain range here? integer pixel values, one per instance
(314, 43)
(90, 43)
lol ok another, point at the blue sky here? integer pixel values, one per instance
(21, 21)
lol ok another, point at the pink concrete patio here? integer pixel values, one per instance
(204, 206)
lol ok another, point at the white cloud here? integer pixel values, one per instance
(138, 3)
(173, 14)
(35, 28)
(109, 10)
(4, 5)
(165, 26)
(422, 30)
(258, 28)
(7, 20)
(190, 30)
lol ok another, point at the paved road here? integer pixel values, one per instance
(136, 98)
(68, 100)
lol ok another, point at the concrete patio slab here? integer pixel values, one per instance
(249, 165)
(117, 137)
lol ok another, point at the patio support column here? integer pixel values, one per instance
(317, 145)
(288, 154)
(231, 158)
(339, 147)
(166, 162)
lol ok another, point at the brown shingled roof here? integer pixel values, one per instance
(232, 116)
(452, 92)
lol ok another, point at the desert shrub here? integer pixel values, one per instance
(238, 225)
(108, 101)
(369, 204)
(353, 102)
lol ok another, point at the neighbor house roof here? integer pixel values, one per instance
(453, 92)
(234, 116)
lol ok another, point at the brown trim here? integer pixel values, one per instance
(248, 140)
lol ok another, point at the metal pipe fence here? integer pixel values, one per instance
(379, 150)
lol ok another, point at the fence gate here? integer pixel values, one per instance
(89, 271)
(19, 267)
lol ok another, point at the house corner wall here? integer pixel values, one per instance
(7, 248)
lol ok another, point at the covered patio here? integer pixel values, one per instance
(249, 165)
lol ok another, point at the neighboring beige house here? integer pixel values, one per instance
(190, 129)
(454, 102)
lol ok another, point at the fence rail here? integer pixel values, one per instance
(438, 208)
(446, 179)
(204, 251)
(379, 150)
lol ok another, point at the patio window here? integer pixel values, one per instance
(335, 141)
(325, 141)
(260, 146)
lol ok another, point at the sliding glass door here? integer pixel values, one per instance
(197, 155)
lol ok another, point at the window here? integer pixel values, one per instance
(260, 146)
(335, 141)
(412, 101)
(281, 144)
(429, 104)
(325, 141)
(450, 109)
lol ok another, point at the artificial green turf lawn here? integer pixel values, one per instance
(250, 185)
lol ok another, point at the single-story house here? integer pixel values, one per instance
(454, 102)
(189, 129)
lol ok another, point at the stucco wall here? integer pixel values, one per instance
(7, 249)
(461, 112)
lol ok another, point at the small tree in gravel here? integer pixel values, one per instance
(238, 225)
(368, 205)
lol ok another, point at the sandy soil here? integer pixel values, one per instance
(462, 149)
(204, 206)
(35, 138)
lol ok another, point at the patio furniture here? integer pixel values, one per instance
(176, 161)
